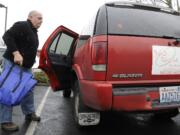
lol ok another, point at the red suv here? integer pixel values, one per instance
(127, 59)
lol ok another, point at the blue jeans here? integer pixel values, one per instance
(27, 104)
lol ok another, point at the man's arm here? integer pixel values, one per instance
(10, 37)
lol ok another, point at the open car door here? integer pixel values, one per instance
(56, 57)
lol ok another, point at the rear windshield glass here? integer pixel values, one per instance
(127, 21)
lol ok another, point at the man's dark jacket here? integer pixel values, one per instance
(22, 37)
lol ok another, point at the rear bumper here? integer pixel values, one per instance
(104, 96)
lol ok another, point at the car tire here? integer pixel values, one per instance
(80, 108)
(67, 93)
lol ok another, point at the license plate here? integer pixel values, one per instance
(169, 94)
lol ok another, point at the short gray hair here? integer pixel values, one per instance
(33, 13)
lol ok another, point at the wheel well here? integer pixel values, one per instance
(74, 78)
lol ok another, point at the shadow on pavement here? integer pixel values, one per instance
(115, 124)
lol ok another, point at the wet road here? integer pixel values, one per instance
(57, 119)
(18, 116)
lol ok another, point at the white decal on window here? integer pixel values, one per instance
(165, 60)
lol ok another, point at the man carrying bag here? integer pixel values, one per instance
(15, 83)
(22, 43)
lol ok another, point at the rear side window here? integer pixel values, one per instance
(64, 44)
(101, 22)
(130, 21)
(61, 44)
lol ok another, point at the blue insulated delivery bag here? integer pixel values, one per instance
(15, 83)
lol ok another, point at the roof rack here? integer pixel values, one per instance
(143, 6)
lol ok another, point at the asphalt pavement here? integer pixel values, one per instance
(57, 119)
(18, 116)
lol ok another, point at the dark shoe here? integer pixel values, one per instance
(33, 117)
(9, 126)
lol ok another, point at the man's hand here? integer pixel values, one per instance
(18, 59)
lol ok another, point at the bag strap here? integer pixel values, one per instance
(20, 79)
(7, 75)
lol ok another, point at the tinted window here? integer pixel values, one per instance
(142, 22)
(101, 22)
(54, 44)
(64, 44)
(61, 44)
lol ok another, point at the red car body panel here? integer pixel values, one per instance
(98, 93)
(134, 52)
(97, 87)
(45, 63)
(82, 58)
(129, 79)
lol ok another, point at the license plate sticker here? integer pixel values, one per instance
(90, 118)
(169, 94)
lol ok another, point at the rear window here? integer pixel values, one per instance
(130, 21)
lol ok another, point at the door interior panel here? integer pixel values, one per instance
(60, 60)
(59, 52)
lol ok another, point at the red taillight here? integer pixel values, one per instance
(99, 56)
